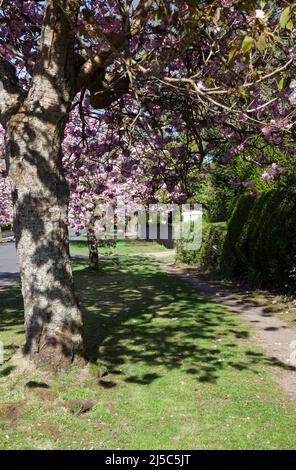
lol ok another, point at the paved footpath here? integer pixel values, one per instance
(9, 269)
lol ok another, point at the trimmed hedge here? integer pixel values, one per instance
(261, 239)
(258, 244)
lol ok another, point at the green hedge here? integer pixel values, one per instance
(261, 239)
(208, 257)
(258, 244)
(5, 228)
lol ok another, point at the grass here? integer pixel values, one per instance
(122, 247)
(182, 372)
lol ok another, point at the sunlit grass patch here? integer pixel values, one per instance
(121, 247)
(169, 369)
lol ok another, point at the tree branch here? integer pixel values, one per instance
(54, 71)
(140, 15)
(116, 44)
(105, 93)
(10, 91)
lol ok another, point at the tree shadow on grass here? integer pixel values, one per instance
(140, 315)
(11, 323)
(11, 308)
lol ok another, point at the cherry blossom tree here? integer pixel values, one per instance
(123, 169)
(101, 175)
(223, 65)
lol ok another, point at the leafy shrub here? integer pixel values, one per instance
(208, 257)
(5, 228)
(102, 243)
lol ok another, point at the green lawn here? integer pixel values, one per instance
(182, 372)
(122, 247)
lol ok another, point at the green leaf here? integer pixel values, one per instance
(289, 25)
(281, 83)
(247, 44)
(285, 17)
(231, 54)
(261, 43)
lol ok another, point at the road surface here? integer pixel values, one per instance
(9, 269)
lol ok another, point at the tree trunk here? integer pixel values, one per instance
(93, 249)
(40, 195)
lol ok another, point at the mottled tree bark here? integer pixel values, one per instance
(33, 143)
(93, 254)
